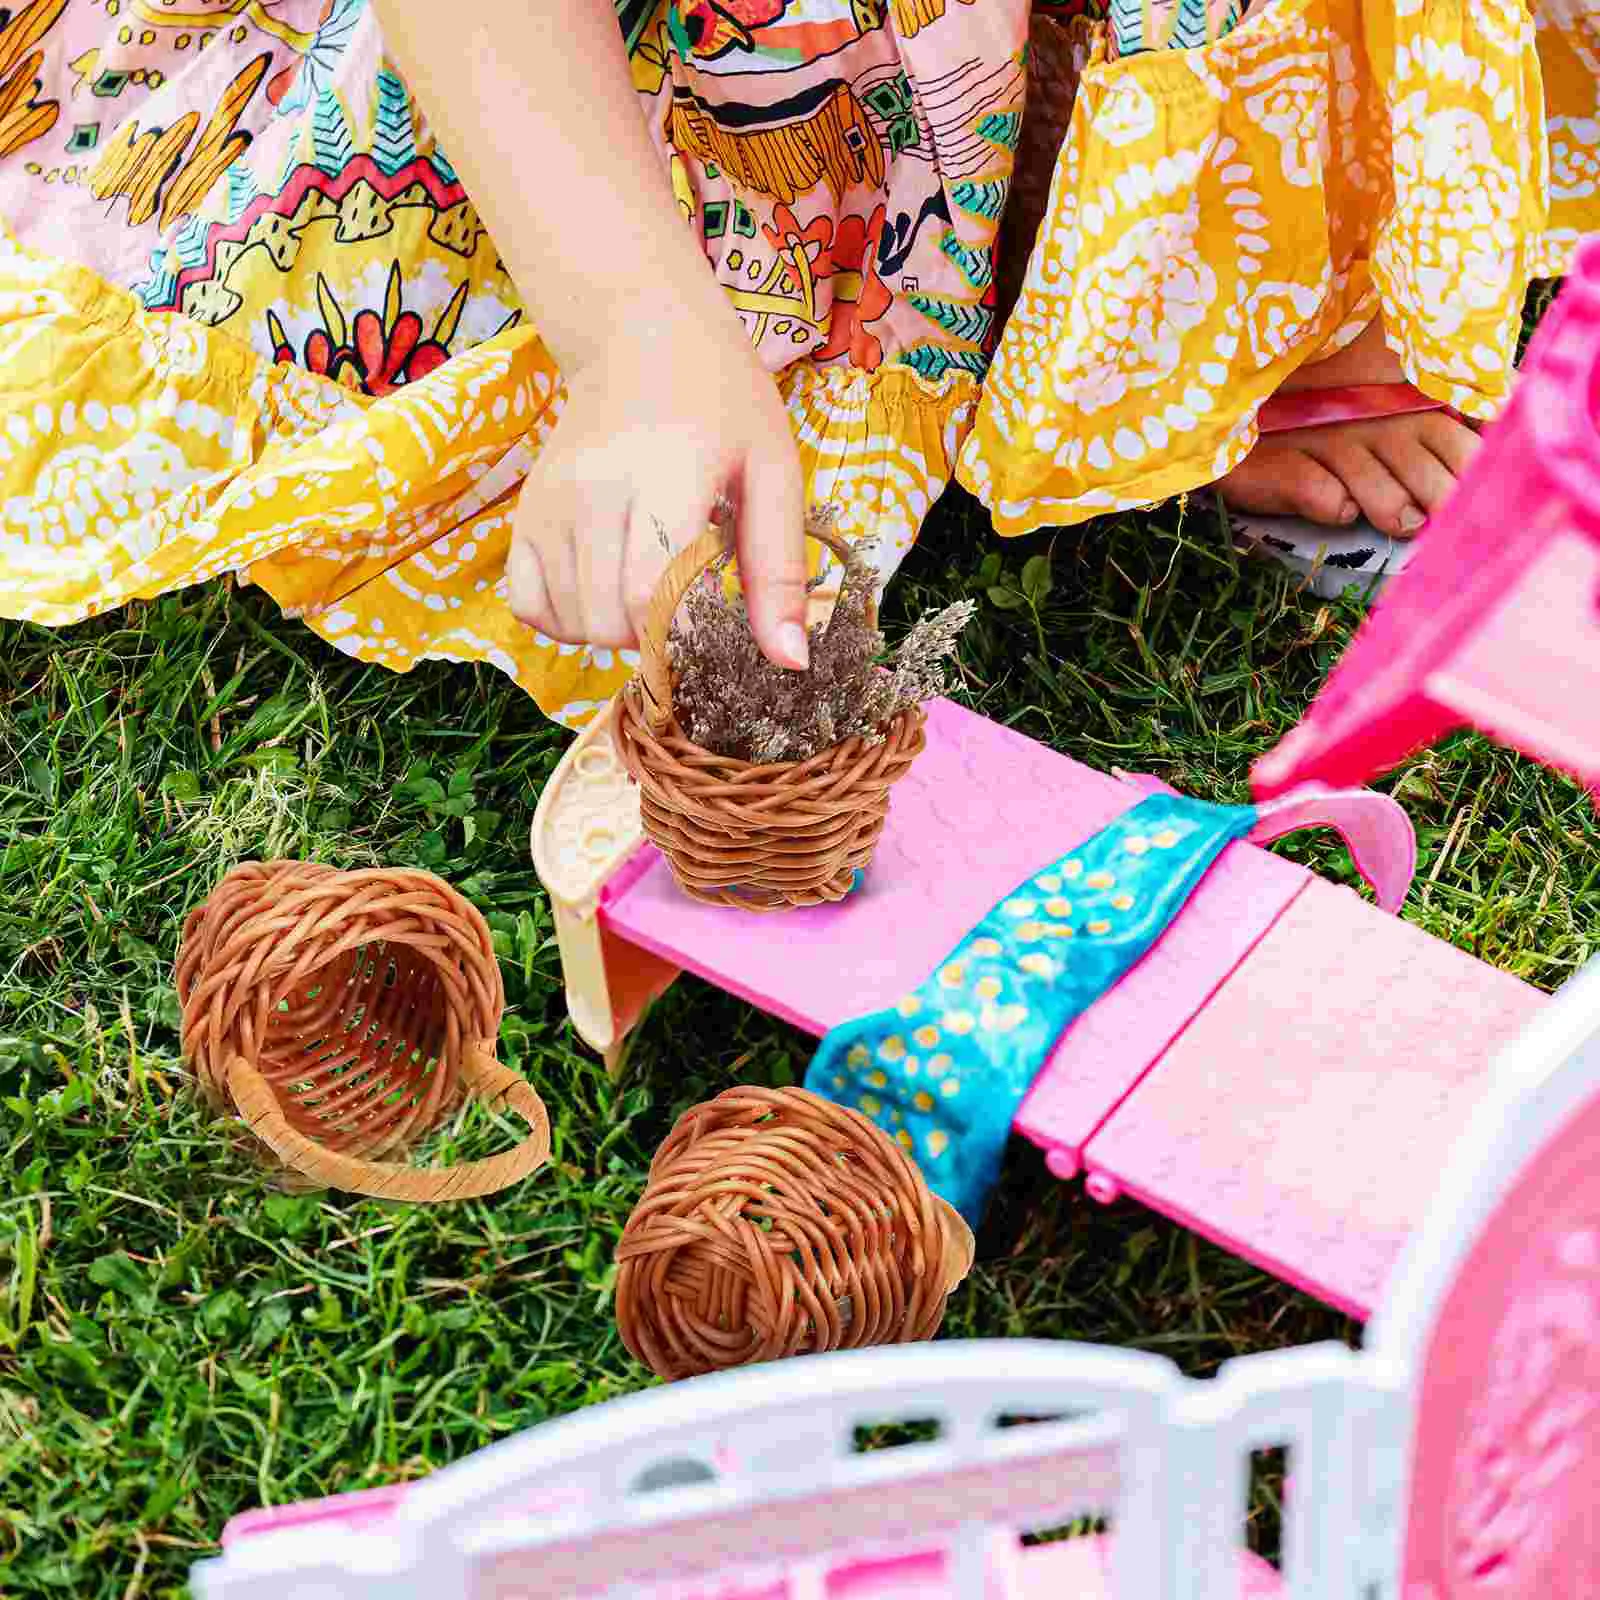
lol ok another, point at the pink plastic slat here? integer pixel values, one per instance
(363, 1508)
(1075, 1569)
(983, 808)
(1110, 1047)
(925, 1572)
(1303, 1118)
(1530, 673)
(1080, 1569)
(1444, 647)
(1505, 1494)
(1072, 1569)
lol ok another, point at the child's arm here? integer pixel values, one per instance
(667, 404)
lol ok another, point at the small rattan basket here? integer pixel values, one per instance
(776, 1223)
(764, 838)
(344, 1015)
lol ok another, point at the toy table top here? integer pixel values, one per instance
(1243, 1104)
(983, 809)
(1305, 1116)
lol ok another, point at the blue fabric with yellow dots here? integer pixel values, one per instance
(945, 1070)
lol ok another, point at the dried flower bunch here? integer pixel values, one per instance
(733, 702)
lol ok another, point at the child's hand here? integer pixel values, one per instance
(667, 406)
(655, 430)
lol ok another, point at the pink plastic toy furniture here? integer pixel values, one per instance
(1284, 1072)
(1494, 623)
(1457, 1457)
(1287, 1069)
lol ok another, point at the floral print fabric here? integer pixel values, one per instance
(250, 319)
(251, 322)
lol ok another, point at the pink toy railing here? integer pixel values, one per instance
(1495, 623)
(737, 1484)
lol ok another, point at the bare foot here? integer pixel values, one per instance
(1392, 470)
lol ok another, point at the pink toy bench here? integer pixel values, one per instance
(1456, 1457)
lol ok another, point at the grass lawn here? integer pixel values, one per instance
(179, 1341)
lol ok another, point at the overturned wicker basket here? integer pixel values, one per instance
(344, 1015)
(761, 837)
(776, 1223)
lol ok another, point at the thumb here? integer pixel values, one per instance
(772, 555)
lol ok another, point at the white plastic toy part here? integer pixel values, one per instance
(585, 830)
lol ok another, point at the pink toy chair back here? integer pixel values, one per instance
(1496, 621)
(1495, 1311)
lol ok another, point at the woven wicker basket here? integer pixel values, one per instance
(344, 1015)
(761, 837)
(776, 1223)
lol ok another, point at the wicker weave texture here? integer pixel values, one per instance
(776, 1223)
(759, 837)
(343, 1015)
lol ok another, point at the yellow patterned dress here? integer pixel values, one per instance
(250, 322)
(1221, 216)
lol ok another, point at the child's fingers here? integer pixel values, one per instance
(541, 570)
(772, 553)
(526, 593)
(662, 521)
(558, 561)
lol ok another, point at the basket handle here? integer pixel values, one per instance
(960, 1247)
(655, 668)
(396, 1180)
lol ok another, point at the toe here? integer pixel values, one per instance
(1280, 479)
(1380, 494)
(1424, 477)
(1453, 442)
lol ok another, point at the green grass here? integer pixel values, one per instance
(178, 1341)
